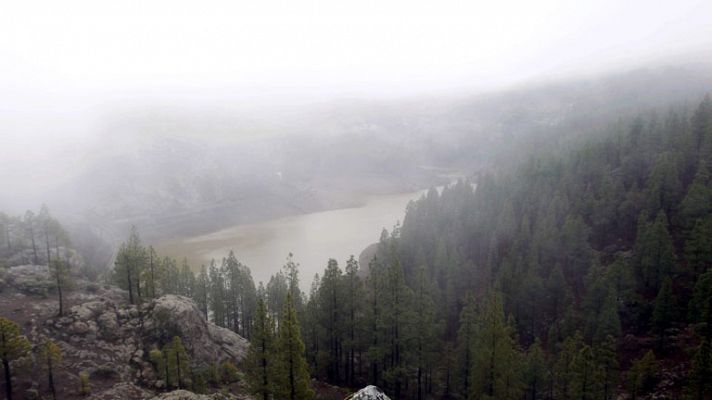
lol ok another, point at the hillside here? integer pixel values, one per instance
(113, 343)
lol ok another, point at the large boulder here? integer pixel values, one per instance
(172, 315)
(369, 393)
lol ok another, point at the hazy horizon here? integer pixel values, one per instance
(70, 73)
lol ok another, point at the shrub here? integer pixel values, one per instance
(104, 372)
(84, 386)
(229, 373)
(643, 374)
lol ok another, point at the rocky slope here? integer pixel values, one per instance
(101, 334)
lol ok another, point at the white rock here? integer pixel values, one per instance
(369, 393)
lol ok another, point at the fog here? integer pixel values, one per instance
(187, 118)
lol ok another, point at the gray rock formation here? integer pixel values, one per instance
(122, 391)
(111, 337)
(171, 315)
(186, 395)
(369, 393)
(29, 279)
(102, 335)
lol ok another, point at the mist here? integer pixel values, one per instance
(70, 72)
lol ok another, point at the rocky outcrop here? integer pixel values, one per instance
(369, 393)
(110, 336)
(122, 391)
(172, 315)
(186, 395)
(31, 280)
(111, 340)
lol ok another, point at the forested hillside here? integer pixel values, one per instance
(581, 275)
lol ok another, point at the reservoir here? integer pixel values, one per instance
(312, 238)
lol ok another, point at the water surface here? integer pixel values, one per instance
(312, 238)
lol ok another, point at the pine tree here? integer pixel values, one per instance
(152, 272)
(187, 280)
(217, 295)
(177, 364)
(397, 321)
(609, 323)
(51, 356)
(426, 335)
(291, 271)
(701, 311)
(642, 375)
(30, 224)
(698, 200)
(465, 346)
(654, 251)
(59, 269)
(376, 341)
(331, 310)
(277, 289)
(536, 374)
(311, 324)
(354, 298)
(496, 373)
(698, 247)
(701, 373)
(130, 264)
(159, 363)
(202, 288)
(13, 346)
(565, 377)
(584, 369)
(260, 358)
(291, 371)
(664, 312)
(607, 369)
(233, 282)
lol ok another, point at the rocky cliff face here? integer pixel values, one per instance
(101, 334)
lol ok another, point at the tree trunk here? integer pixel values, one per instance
(128, 277)
(34, 245)
(49, 257)
(165, 362)
(180, 383)
(292, 391)
(51, 377)
(265, 393)
(153, 278)
(59, 287)
(138, 283)
(8, 379)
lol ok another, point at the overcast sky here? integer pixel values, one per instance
(335, 46)
(62, 63)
